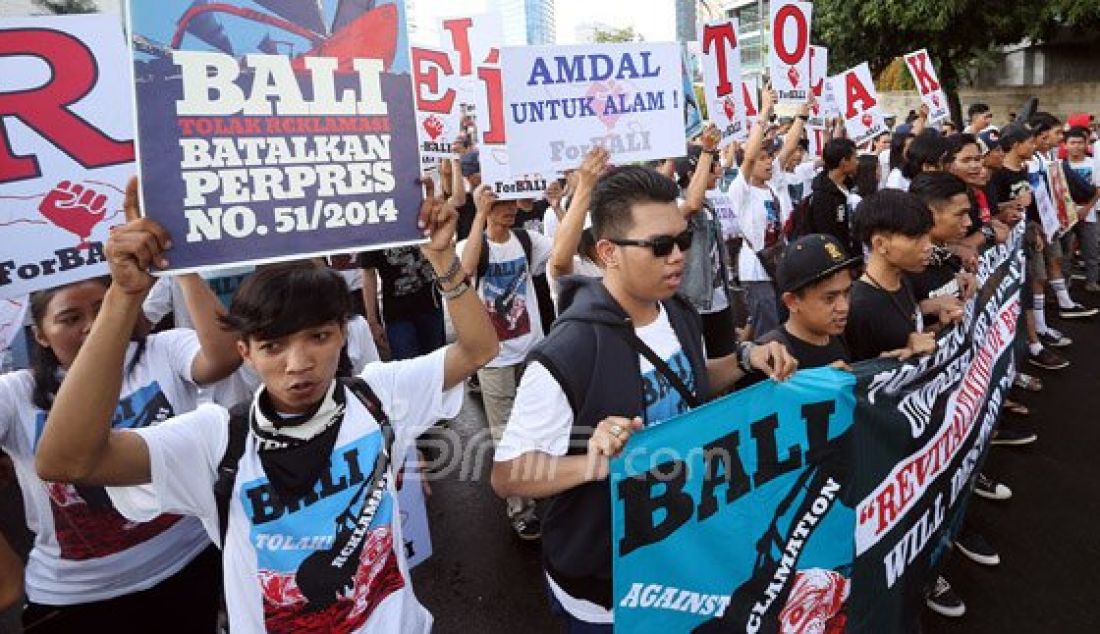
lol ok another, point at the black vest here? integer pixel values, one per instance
(601, 376)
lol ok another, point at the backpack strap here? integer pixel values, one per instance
(239, 416)
(227, 468)
(547, 311)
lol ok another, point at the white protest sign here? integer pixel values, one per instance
(496, 170)
(12, 312)
(562, 100)
(789, 54)
(66, 149)
(928, 85)
(750, 96)
(415, 531)
(819, 75)
(859, 104)
(471, 40)
(435, 91)
(722, 78)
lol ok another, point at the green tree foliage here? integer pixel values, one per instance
(67, 6)
(955, 32)
(611, 35)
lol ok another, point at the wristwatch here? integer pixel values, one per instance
(744, 356)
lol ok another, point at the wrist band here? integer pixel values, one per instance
(452, 271)
(804, 117)
(744, 353)
(454, 291)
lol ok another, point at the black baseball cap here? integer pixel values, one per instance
(810, 259)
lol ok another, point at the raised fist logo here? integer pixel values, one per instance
(794, 76)
(729, 108)
(433, 125)
(867, 119)
(936, 99)
(74, 208)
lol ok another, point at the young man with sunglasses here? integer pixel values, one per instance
(626, 352)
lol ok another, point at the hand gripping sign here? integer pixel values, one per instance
(721, 79)
(928, 85)
(65, 148)
(789, 56)
(435, 89)
(859, 104)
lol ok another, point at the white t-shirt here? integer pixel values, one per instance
(550, 223)
(84, 550)
(269, 541)
(1085, 170)
(509, 295)
(791, 187)
(166, 296)
(896, 181)
(242, 384)
(541, 421)
(884, 168)
(760, 224)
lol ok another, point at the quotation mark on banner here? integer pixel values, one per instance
(74, 208)
(433, 125)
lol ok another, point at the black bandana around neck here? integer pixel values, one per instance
(295, 450)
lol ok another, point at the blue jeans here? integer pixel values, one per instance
(417, 335)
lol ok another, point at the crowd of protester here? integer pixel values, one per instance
(621, 297)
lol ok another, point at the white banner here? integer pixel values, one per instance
(13, 311)
(415, 531)
(789, 53)
(859, 104)
(472, 40)
(435, 91)
(562, 100)
(496, 170)
(66, 147)
(928, 85)
(722, 78)
(819, 78)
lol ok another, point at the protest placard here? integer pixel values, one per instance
(304, 146)
(722, 80)
(562, 100)
(857, 101)
(819, 76)
(66, 148)
(496, 171)
(730, 517)
(928, 85)
(471, 40)
(415, 531)
(12, 312)
(691, 56)
(435, 87)
(789, 53)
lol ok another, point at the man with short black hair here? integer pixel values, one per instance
(625, 353)
(1077, 145)
(832, 203)
(979, 118)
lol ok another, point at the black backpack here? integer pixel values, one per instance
(547, 312)
(800, 222)
(238, 432)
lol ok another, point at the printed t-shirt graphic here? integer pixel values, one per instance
(86, 523)
(504, 292)
(317, 575)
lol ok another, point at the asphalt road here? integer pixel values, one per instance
(481, 578)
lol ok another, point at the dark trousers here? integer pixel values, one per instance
(185, 603)
(416, 335)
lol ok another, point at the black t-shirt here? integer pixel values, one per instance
(466, 214)
(807, 354)
(877, 323)
(1005, 184)
(938, 278)
(407, 287)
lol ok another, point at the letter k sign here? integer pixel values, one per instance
(926, 80)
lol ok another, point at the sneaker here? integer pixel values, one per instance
(1048, 360)
(990, 489)
(1054, 339)
(1076, 311)
(943, 600)
(527, 527)
(1092, 287)
(976, 548)
(1009, 437)
(1028, 383)
(1080, 277)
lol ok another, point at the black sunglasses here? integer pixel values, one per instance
(661, 245)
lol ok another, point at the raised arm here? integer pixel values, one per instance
(756, 137)
(568, 236)
(458, 185)
(471, 254)
(696, 193)
(476, 340)
(78, 444)
(218, 356)
(794, 135)
(922, 120)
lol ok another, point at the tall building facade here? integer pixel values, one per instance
(526, 21)
(752, 20)
(686, 18)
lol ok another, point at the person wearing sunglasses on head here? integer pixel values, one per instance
(625, 352)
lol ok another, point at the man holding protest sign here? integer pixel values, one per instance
(625, 353)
